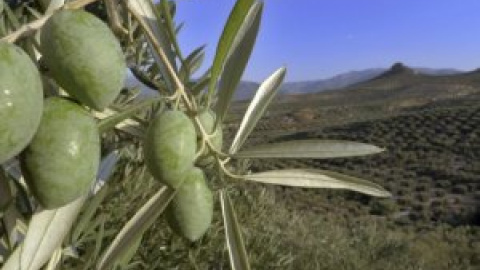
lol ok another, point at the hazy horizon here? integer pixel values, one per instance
(320, 39)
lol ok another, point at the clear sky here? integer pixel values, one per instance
(317, 39)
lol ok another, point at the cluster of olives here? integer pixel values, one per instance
(58, 140)
(171, 144)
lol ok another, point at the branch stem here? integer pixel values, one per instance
(30, 28)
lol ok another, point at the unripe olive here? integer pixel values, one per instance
(169, 147)
(190, 212)
(21, 100)
(62, 160)
(207, 119)
(84, 57)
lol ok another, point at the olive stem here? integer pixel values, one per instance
(32, 27)
(226, 171)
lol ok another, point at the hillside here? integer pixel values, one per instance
(246, 89)
(431, 164)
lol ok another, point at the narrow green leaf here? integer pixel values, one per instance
(52, 5)
(166, 9)
(87, 214)
(179, 28)
(235, 20)
(201, 84)
(255, 110)
(150, 15)
(127, 256)
(192, 63)
(309, 149)
(5, 191)
(12, 19)
(236, 247)
(237, 59)
(54, 261)
(311, 178)
(45, 234)
(110, 122)
(136, 226)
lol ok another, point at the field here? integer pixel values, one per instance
(431, 165)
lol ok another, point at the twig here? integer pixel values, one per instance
(30, 28)
(158, 48)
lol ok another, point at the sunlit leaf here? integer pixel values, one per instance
(237, 59)
(236, 247)
(54, 260)
(255, 110)
(235, 20)
(135, 227)
(309, 149)
(45, 234)
(312, 178)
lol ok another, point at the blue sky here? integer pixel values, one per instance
(317, 39)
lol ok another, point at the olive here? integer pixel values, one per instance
(21, 100)
(190, 212)
(84, 57)
(169, 146)
(62, 160)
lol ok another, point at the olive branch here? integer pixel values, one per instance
(143, 25)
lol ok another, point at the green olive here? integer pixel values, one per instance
(61, 162)
(190, 212)
(169, 147)
(84, 57)
(21, 100)
(207, 119)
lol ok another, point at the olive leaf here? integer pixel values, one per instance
(52, 5)
(86, 216)
(54, 260)
(166, 10)
(201, 83)
(191, 64)
(309, 149)
(107, 165)
(135, 227)
(148, 13)
(236, 248)
(5, 191)
(111, 121)
(45, 234)
(237, 59)
(313, 178)
(255, 110)
(230, 31)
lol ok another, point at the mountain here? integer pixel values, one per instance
(397, 87)
(247, 89)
